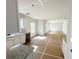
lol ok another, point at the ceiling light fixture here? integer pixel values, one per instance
(29, 9)
(40, 3)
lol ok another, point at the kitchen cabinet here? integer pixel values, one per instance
(14, 40)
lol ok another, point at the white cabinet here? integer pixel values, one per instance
(17, 40)
(22, 39)
(11, 41)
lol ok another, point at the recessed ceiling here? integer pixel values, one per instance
(46, 9)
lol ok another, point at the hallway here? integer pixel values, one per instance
(47, 47)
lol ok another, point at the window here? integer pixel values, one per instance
(21, 25)
(32, 27)
(54, 27)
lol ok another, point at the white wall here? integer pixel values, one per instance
(11, 16)
(67, 51)
(68, 45)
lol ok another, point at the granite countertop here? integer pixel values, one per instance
(19, 52)
(14, 34)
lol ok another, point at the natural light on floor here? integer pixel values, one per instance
(35, 47)
(40, 37)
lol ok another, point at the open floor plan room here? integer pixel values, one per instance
(38, 29)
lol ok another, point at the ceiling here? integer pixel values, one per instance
(46, 9)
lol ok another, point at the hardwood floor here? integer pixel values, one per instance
(47, 47)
